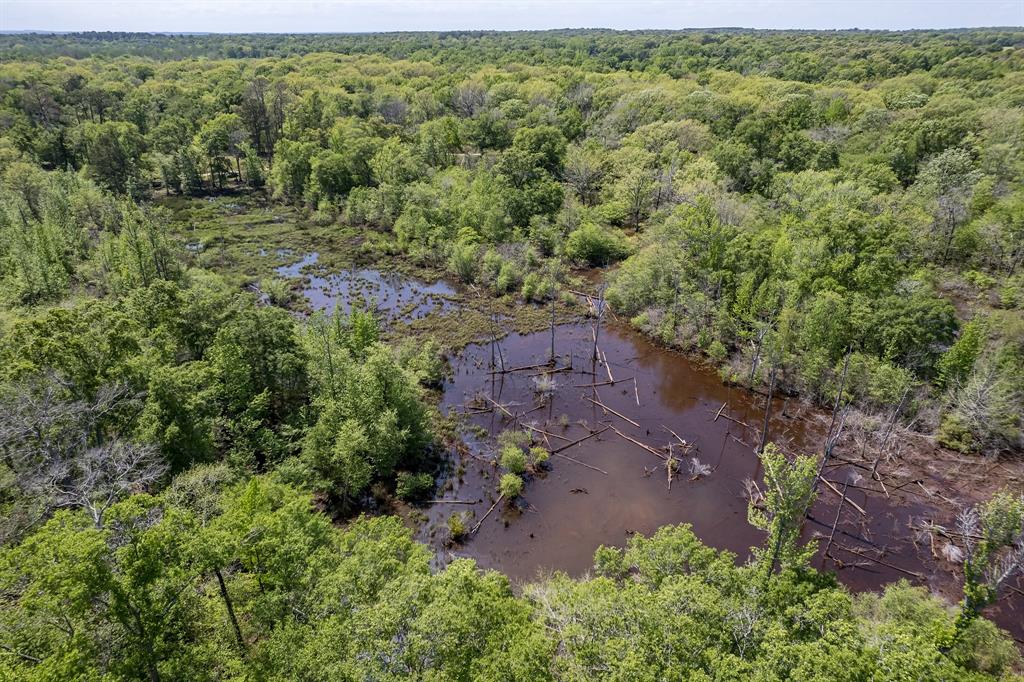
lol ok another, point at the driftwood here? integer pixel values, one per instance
(852, 536)
(636, 392)
(686, 446)
(880, 562)
(580, 440)
(646, 447)
(499, 406)
(519, 369)
(843, 495)
(484, 517)
(608, 409)
(721, 413)
(553, 370)
(607, 367)
(604, 383)
(576, 461)
(545, 433)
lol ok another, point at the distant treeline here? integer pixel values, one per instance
(808, 56)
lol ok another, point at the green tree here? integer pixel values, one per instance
(789, 488)
(113, 153)
(292, 166)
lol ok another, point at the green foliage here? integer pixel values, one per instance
(292, 168)
(456, 527)
(140, 254)
(513, 459)
(957, 362)
(370, 421)
(993, 552)
(464, 261)
(801, 204)
(410, 486)
(510, 486)
(113, 152)
(47, 224)
(780, 511)
(217, 576)
(594, 245)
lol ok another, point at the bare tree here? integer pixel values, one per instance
(468, 99)
(99, 476)
(60, 452)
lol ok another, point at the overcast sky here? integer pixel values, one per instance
(429, 15)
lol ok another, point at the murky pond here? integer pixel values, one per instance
(636, 405)
(392, 295)
(617, 486)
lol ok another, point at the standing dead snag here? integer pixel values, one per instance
(597, 325)
(554, 289)
(767, 412)
(496, 344)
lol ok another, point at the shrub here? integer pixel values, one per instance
(510, 486)
(457, 527)
(508, 278)
(410, 486)
(513, 459)
(955, 434)
(513, 437)
(539, 458)
(957, 362)
(537, 288)
(464, 262)
(278, 291)
(595, 245)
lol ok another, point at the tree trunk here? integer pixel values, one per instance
(767, 412)
(231, 609)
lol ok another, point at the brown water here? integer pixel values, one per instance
(567, 512)
(570, 510)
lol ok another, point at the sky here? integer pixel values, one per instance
(286, 16)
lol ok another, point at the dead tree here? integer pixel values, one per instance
(61, 453)
(597, 324)
(767, 412)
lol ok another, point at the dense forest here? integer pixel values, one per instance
(191, 462)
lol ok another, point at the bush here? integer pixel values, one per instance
(537, 287)
(457, 527)
(957, 362)
(513, 459)
(278, 291)
(410, 486)
(513, 437)
(596, 246)
(508, 278)
(539, 458)
(980, 279)
(955, 434)
(464, 262)
(510, 487)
